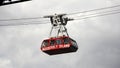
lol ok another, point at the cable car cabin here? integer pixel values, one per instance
(59, 45)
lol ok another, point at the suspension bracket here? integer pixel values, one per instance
(59, 21)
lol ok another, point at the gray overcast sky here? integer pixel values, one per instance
(98, 38)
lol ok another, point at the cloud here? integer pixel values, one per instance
(5, 63)
(97, 38)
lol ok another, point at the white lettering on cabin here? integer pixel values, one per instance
(55, 47)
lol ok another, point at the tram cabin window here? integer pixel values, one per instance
(58, 41)
(74, 43)
(45, 43)
(66, 40)
(52, 42)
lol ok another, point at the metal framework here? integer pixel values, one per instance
(7, 2)
(58, 24)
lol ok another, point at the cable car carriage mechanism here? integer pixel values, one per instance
(60, 43)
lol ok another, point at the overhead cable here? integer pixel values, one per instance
(67, 14)
(83, 17)
(23, 23)
(94, 10)
(21, 19)
(97, 15)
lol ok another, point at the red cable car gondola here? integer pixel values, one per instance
(59, 45)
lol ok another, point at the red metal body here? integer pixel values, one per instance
(59, 45)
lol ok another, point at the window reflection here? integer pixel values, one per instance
(58, 41)
(52, 42)
(45, 43)
(66, 40)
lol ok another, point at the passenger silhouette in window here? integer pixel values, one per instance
(66, 40)
(52, 42)
(58, 41)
